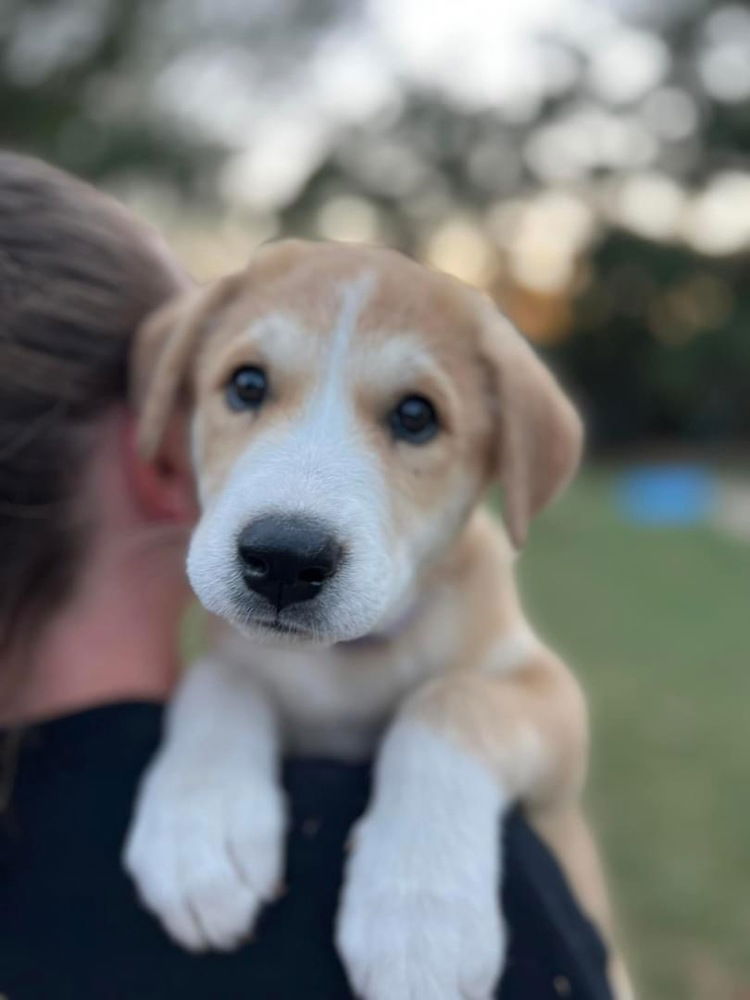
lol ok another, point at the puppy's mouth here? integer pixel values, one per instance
(281, 628)
(267, 624)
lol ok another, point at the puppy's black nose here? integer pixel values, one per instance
(287, 559)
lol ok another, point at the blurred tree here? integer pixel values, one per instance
(659, 347)
(53, 62)
(648, 323)
(78, 78)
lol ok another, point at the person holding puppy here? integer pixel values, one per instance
(92, 593)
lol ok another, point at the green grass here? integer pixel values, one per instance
(656, 622)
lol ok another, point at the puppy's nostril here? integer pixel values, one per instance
(314, 575)
(254, 567)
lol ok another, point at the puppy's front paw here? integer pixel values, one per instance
(205, 853)
(416, 927)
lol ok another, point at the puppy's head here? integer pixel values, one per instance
(347, 409)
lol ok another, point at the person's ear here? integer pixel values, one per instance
(163, 486)
(539, 433)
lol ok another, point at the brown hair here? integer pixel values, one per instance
(77, 275)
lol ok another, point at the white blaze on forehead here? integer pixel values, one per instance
(354, 296)
(325, 433)
(325, 457)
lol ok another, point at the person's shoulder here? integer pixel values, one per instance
(78, 929)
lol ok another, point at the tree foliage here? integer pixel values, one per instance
(655, 337)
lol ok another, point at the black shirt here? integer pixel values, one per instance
(72, 929)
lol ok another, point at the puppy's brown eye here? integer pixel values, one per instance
(247, 389)
(414, 420)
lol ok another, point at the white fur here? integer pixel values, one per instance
(513, 650)
(283, 344)
(397, 362)
(420, 917)
(318, 466)
(335, 701)
(205, 845)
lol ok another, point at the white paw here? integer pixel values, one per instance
(414, 931)
(205, 853)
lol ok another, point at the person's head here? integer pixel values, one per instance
(77, 275)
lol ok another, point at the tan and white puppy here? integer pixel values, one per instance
(348, 409)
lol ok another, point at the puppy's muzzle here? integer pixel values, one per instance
(287, 560)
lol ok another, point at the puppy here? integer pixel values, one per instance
(348, 409)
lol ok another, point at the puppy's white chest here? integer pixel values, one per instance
(333, 702)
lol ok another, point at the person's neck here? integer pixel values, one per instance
(116, 639)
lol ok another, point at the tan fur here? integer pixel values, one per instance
(541, 435)
(505, 417)
(161, 354)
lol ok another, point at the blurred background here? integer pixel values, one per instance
(588, 163)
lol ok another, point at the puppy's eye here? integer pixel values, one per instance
(247, 388)
(414, 420)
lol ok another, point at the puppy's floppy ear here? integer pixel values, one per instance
(161, 354)
(158, 366)
(540, 435)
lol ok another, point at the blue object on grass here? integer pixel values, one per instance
(667, 494)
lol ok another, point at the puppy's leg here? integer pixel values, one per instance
(420, 913)
(419, 918)
(564, 829)
(205, 844)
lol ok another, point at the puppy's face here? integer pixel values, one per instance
(344, 419)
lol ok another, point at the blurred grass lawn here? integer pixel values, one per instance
(656, 623)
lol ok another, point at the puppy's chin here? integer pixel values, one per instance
(271, 633)
(288, 633)
(298, 625)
